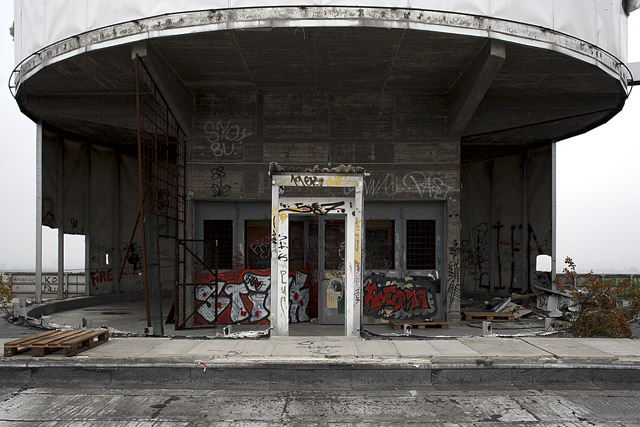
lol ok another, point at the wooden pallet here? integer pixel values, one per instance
(399, 324)
(487, 315)
(72, 342)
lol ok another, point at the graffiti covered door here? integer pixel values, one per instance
(331, 266)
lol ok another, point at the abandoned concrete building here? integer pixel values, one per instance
(274, 162)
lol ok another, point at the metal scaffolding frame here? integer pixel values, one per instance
(162, 192)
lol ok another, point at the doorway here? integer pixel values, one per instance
(343, 216)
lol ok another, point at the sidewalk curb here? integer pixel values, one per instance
(302, 376)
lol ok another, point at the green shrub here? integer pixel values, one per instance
(5, 293)
(604, 308)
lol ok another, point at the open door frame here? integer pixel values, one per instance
(351, 205)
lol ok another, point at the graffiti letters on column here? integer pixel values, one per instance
(245, 297)
(453, 274)
(390, 298)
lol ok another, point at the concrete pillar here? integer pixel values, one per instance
(452, 238)
(553, 212)
(60, 217)
(279, 266)
(87, 223)
(39, 213)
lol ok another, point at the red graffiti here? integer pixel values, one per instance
(384, 297)
(101, 276)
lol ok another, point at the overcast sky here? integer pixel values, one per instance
(598, 184)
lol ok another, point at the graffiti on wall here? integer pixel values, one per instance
(245, 297)
(453, 274)
(218, 187)
(314, 208)
(416, 182)
(103, 275)
(475, 255)
(509, 252)
(391, 298)
(224, 137)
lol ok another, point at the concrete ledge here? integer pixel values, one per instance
(303, 377)
(50, 307)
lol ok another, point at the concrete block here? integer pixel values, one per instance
(474, 378)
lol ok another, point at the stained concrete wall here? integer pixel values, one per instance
(397, 138)
(506, 222)
(100, 182)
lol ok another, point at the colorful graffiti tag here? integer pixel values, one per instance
(391, 298)
(245, 297)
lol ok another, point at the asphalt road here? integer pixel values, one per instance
(162, 407)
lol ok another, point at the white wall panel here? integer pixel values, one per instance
(65, 22)
(576, 18)
(42, 22)
(537, 12)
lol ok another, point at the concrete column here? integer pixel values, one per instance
(279, 266)
(553, 212)
(87, 224)
(354, 258)
(60, 217)
(115, 263)
(39, 213)
(451, 278)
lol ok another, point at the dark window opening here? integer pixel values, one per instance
(257, 244)
(334, 245)
(222, 231)
(421, 244)
(380, 244)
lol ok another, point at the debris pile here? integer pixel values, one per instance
(544, 308)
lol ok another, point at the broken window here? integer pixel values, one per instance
(421, 244)
(380, 244)
(222, 231)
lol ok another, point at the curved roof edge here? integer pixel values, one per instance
(320, 16)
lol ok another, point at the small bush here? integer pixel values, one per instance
(5, 293)
(604, 308)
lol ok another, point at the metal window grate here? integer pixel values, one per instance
(222, 231)
(380, 244)
(421, 244)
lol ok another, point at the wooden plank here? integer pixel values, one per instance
(21, 345)
(53, 339)
(399, 324)
(73, 342)
(488, 315)
(519, 297)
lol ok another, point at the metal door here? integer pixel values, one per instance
(331, 270)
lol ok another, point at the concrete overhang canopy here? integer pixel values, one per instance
(546, 86)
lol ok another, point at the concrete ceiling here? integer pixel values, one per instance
(536, 96)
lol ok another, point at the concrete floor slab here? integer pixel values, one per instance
(614, 346)
(313, 347)
(212, 349)
(570, 350)
(507, 348)
(252, 349)
(376, 349)
(124, 348)
(415, 349)
(452, 347)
